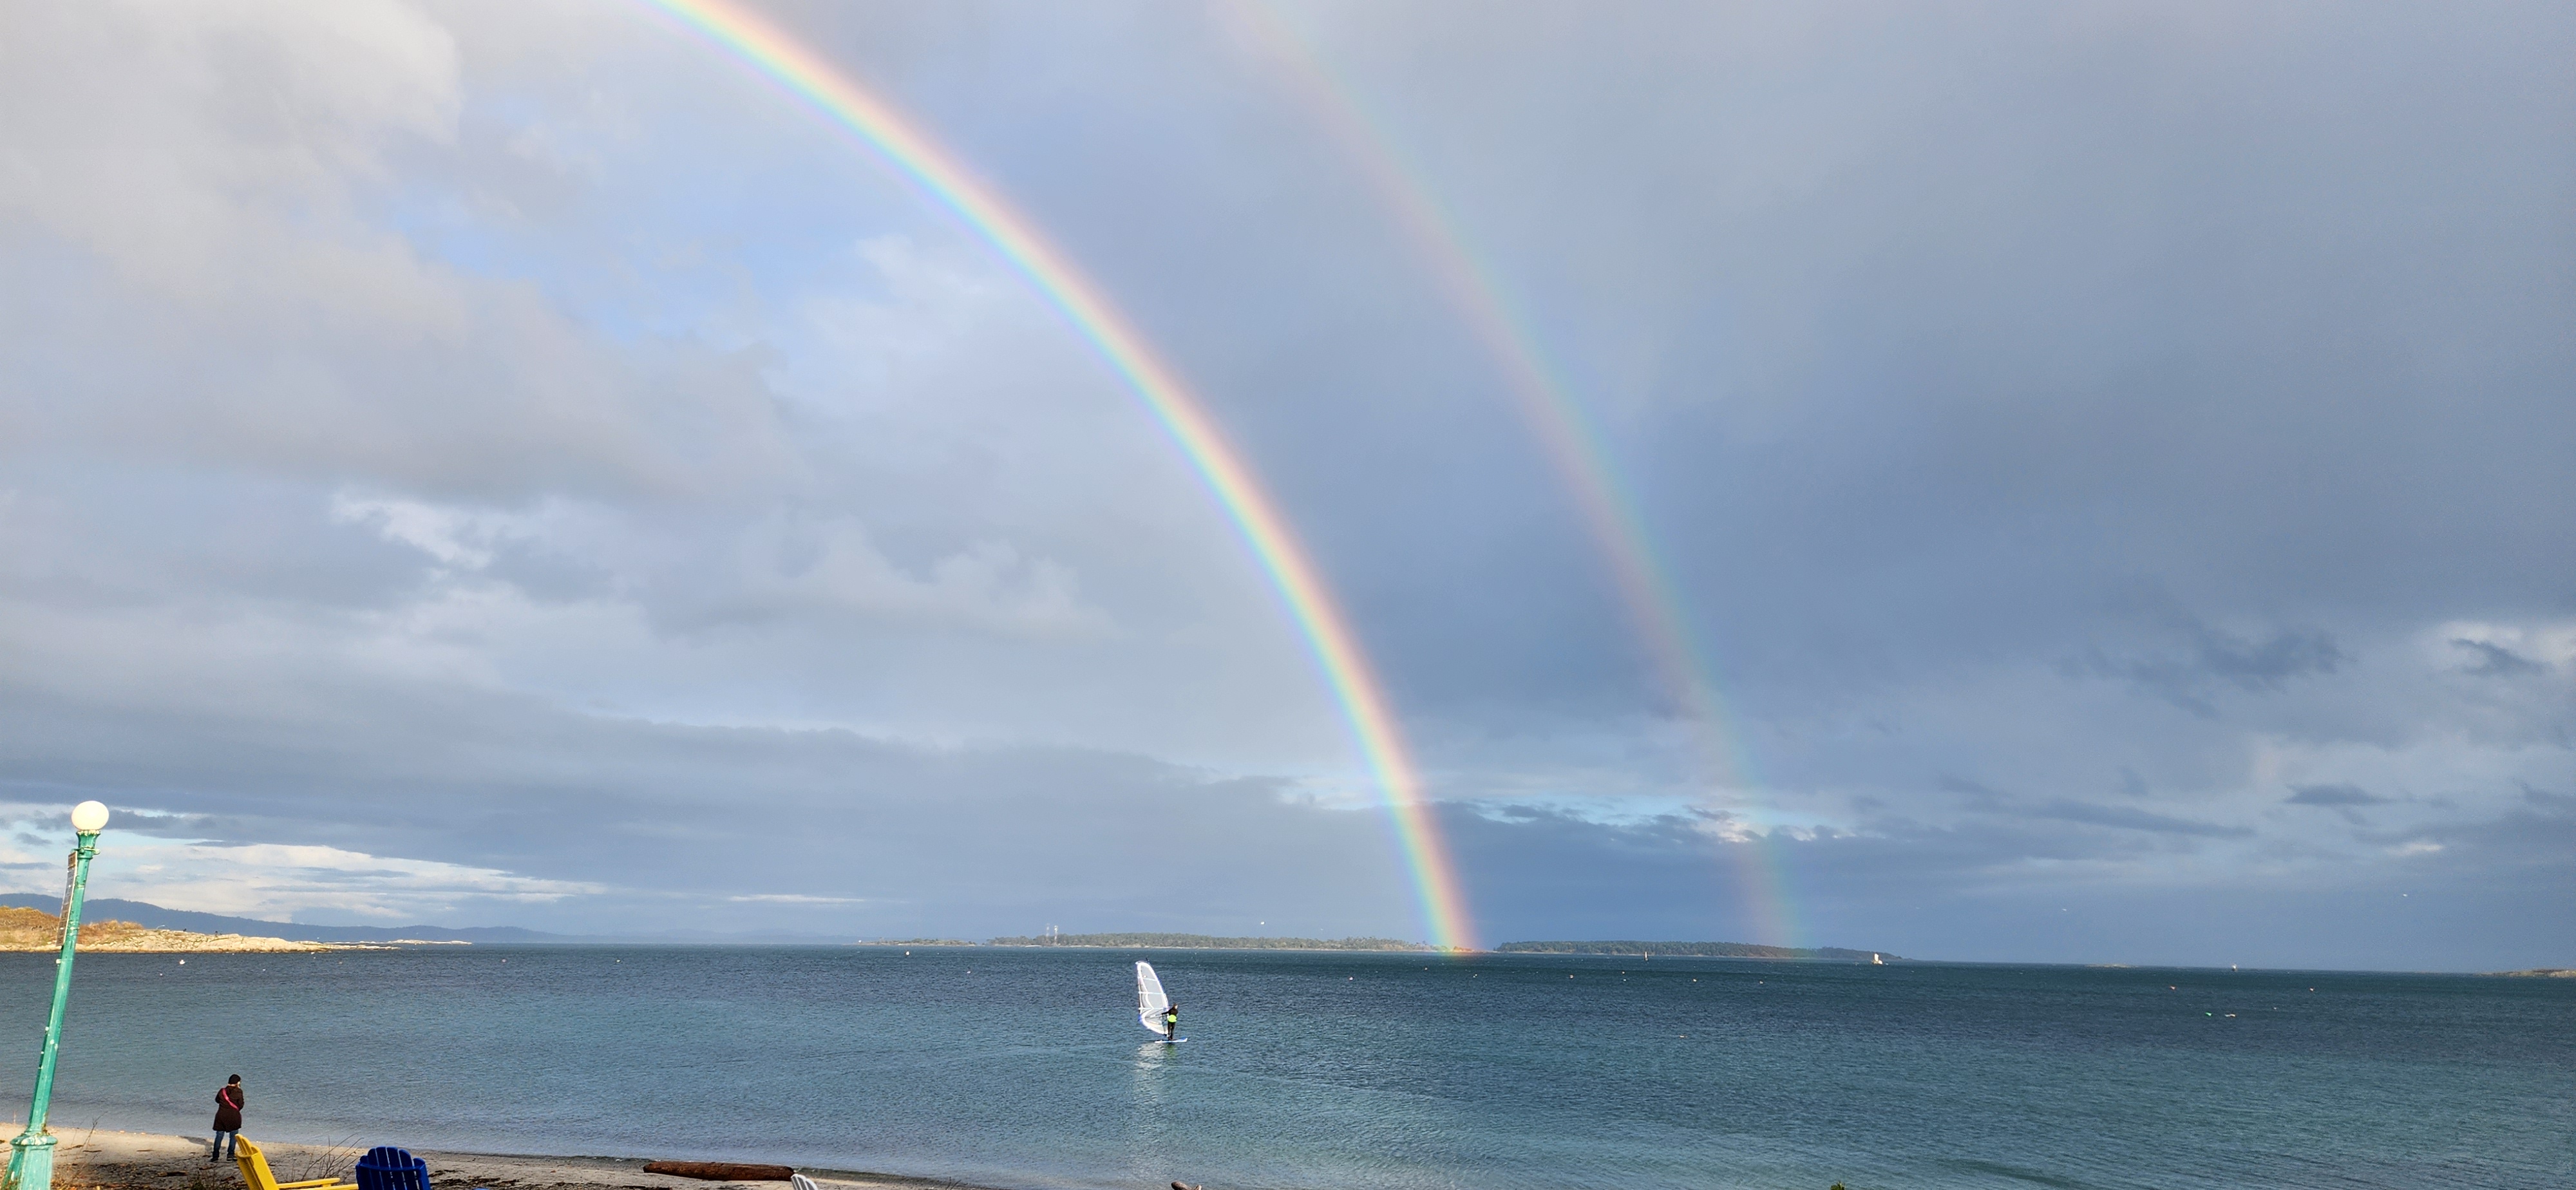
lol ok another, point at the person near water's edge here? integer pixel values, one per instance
(1172, 1021)
(228, 1109)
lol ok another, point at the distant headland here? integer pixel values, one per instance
(1208, 942)
(1168, 941)
(23, 930)
(1703, 950)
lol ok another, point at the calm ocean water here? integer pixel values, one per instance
(1026, 1068)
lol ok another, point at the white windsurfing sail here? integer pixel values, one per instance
(1150, 1001)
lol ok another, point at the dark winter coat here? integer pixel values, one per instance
(228, 1105)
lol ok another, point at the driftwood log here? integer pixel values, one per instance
(721, 1171)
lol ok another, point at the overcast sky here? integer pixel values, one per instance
(506, 463)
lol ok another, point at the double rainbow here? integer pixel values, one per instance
(810, 79)
(1575, 447)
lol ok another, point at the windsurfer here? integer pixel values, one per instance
(1172, 1021)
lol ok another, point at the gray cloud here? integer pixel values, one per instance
(678, 825)
(1986, 799)
(2344, 799)
(2334, 795)
(2127, 818)
(2497, 661)
(2189, 675)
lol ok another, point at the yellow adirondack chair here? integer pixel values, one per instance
(255, 1174)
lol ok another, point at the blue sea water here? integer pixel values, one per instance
(1025, 1068)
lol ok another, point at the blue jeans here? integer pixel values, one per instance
(223, 1141)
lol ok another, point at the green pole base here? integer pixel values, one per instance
(31, 1162)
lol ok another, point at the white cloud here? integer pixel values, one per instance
(636, 490)
(291, 882)
(438, 532)
(184, 145)
(834, 567)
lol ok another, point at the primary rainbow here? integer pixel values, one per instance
(1575, 447)
(810, 78)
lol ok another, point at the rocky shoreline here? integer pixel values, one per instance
(25, 931)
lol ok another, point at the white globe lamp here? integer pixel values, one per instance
(89, 818)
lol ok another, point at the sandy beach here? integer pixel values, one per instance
(100, 1159)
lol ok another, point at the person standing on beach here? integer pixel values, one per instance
(228, 1107)
(1172, 1021)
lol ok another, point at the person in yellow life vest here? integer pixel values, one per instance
(1172, 1021)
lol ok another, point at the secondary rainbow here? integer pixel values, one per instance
(1574, 445)
(832, 94)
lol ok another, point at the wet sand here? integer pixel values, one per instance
(100, 1159)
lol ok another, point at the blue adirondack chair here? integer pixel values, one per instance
(388, 1168)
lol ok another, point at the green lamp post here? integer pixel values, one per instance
(31, 1153)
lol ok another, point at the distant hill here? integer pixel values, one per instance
(1709, 950)
(1209, 942)
(155, 917)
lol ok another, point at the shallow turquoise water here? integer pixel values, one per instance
(1026, 1068)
